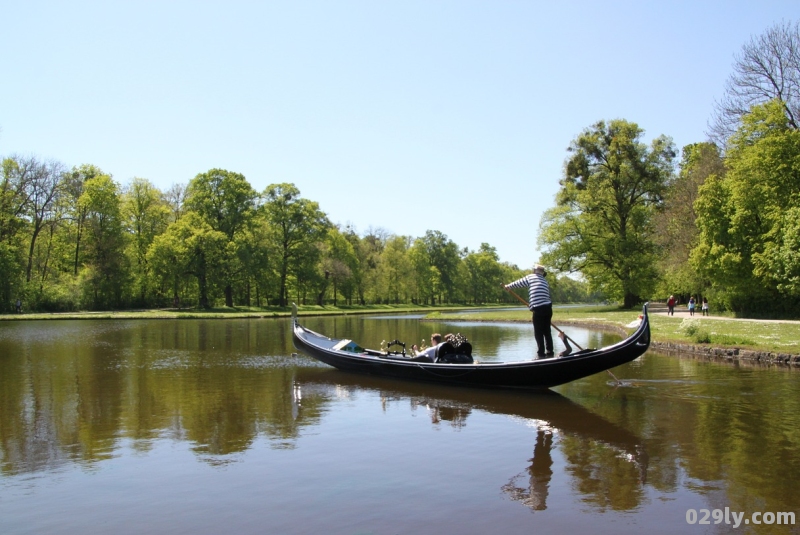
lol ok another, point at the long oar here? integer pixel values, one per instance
(509, 290)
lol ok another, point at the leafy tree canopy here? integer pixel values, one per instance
(748, 220)
(602, 224)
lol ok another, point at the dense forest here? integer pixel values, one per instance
(76, 239)
(632, 221)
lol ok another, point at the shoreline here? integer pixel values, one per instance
(727, 354)
(732, 355)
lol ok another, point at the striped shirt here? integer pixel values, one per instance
(538, 289)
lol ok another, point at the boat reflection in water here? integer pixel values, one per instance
(597, 453)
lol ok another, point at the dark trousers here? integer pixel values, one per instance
(542, 316)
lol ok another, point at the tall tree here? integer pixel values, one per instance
(258, 255)
(146, 214)
(105, 244)
(395, 271)
(339, 262)
(484, 274)
(44, 189)
(175, 197)
(13, 203)
(77, 212)
(436, 259)
(189, 247)
(767, 68)
(676, 227)
(14, 192)
(298, 225)
(748, 218)
(602, 224)
(226, 201)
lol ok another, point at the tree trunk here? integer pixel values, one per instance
(202, 286)
(228, 296)
(283, 295)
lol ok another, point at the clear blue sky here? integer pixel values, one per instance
(402, 115)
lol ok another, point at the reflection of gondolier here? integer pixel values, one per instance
(541, 305)
(540, 473)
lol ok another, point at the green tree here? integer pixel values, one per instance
(676, 227)
(427, 279)
(395, 271)
(484, 274)
(189, 247)
(146, 214)
(13, 198)
(13, 204)
(436, 260)
(748, 219)
(602, 225)
(568, 290)
(175, 197)
(76, 212)
(226, 202)
(41, 187)
(339, 262)
(105, 241)
(299, 225)
(367, 251)
(258, 256)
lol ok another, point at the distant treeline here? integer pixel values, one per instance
(76, 239)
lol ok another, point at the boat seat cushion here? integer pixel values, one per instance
(454, 355)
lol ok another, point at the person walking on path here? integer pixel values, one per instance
(540, 304)
(691, 306)
(671, 305)
(704, 306)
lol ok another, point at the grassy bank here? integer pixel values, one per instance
(232, 312)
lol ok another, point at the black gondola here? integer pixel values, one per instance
(528, 375)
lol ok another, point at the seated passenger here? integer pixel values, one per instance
(436, 341)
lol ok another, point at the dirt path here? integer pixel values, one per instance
(683, 312)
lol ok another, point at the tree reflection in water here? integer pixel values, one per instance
(606, 464)
(604, 474)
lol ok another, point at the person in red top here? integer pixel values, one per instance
(671, 305)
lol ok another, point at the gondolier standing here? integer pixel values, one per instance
(542, 307)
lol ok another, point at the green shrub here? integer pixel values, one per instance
(58, 296)
(689, 327)
(692, 329)
(701, 337)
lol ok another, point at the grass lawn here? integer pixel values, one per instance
(232, 312)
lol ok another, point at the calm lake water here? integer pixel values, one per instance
(216, 426)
